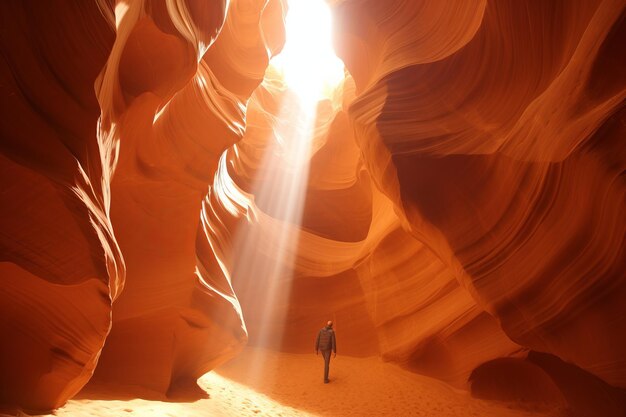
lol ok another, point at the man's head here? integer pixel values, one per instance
(329, 324)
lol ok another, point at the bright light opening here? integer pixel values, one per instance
(308, 62)
(262, 260)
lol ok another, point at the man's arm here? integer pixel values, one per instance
(317, 343)
(334, 344)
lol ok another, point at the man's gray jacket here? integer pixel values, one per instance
(326, 340)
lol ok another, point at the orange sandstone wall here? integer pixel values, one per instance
(501, 149)
(61, 266)
(463, 204)
(175, 116)
(114, 119)
(316, 280)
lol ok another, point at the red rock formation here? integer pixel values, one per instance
(508, 164)
(156, 100)
(320, 280)
(174, 117)
(480, 185)
(462, 202)
(61, 267)
(387, 292)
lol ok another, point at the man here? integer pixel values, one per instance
(326, 342)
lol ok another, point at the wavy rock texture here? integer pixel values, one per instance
(61, 266)
(159, 118)
(353, 262)
(317, 272)
(504, 156)
(174, 117)
(460, 206)
(424, 319)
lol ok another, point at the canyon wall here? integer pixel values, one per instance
(113, 123)
(458, 207)
(61, 266)
(500, 144)
(482, 209)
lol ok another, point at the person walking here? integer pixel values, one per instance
(326, 342)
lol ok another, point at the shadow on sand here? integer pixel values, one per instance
(188, 391)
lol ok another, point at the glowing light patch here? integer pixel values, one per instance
(308, 63)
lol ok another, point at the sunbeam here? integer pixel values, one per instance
(263, 250)
(308, 63)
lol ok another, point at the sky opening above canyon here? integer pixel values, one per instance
(310, 69)
(308, 62)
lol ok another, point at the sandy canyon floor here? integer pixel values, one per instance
(267, 383)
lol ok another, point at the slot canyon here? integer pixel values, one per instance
(192, 189)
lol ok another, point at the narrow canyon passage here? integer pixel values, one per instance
(191, 189)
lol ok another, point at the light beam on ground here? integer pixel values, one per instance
(263, 254)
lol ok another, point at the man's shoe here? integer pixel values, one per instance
(326, 381)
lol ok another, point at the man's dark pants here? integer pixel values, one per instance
(326, 355)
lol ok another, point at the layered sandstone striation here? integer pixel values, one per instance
(489, 218)
(457, 206)
(315, 275)
(174, 117)
(61, 266)
(116, 122)
(502, 152)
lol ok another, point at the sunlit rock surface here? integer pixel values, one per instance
(505, 157)
(174, 117)
(460, 204)
(117, 119)
(316, 273)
